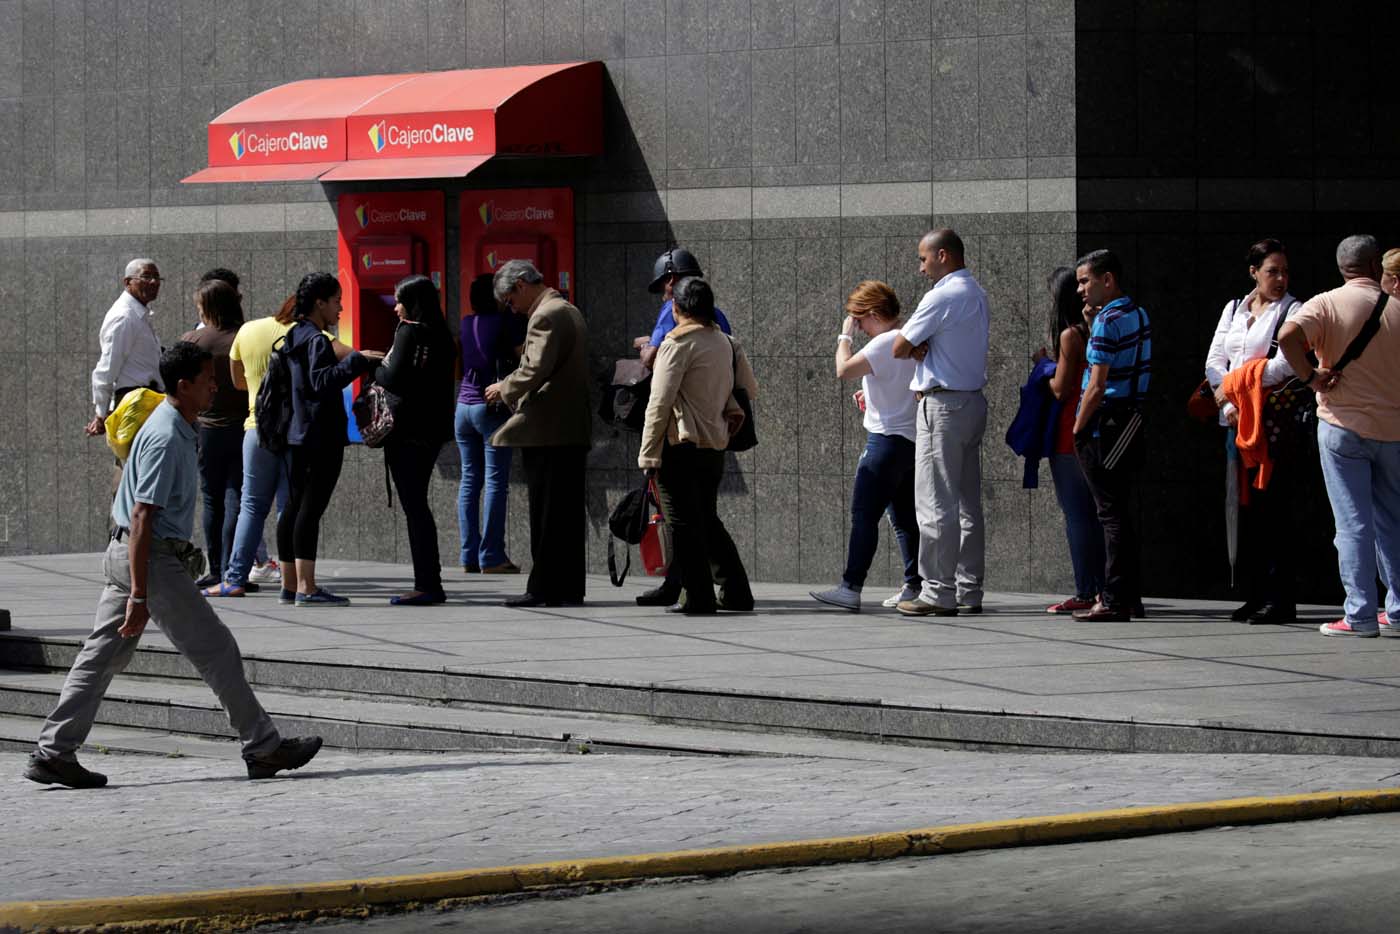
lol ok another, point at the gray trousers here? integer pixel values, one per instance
(948, 497)
(191, 625)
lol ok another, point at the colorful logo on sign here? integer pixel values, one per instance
(491, 260)
(487, 210)
(367, 260)
(379, 135)
(235, 142)
(362, 215)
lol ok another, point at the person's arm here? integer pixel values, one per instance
(236, 374)
(325, 373)
(396, 372)
(1278, 370)
(1069, 366)
(1217, 362)
(1093, 396)
(665, 386)
(849, 364)
(115, 340)
(138, 554)
(1293, 347)
(912, 339)
(648, 356)
(543, 351)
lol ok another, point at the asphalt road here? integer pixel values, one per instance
(1319, 876)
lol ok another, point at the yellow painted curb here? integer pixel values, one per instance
(280, 901)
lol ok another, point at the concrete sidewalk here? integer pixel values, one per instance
(1186, 664)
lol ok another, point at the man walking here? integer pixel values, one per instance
(150, 568)
(670, 267)
(553, 423)
(1358, 428)
(1108, 426)
(948, 333)
(130, 350)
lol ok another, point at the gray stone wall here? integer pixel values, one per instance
(796, 146)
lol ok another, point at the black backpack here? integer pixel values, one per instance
(273, 408)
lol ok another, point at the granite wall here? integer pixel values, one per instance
(796, 146)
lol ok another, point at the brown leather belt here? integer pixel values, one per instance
(919, 394)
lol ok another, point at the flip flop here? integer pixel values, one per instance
(223, 589)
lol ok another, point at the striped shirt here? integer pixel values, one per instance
(1121, 337)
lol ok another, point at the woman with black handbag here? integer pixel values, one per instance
(418, 374)
(1247, 331)
(691, 416)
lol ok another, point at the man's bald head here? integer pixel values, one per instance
(945, 238)
(1359, 256)
(940, 252)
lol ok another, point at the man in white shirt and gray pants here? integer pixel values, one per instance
(948, 333)
(130, 356)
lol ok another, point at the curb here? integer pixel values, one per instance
(278, 902)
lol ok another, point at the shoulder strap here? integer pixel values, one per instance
(1278, 326)
(734, 355)
(1363, 337)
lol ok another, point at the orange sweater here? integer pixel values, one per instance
(1244, 387)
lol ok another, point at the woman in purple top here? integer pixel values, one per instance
(489, 342)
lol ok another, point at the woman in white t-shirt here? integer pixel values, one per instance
(885, 477)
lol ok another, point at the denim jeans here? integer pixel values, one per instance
(1363, 483)
(483, 544)
(884, 480)
(1082, 526)
(264, 477)
(221, 483)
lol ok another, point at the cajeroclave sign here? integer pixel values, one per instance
(277, 143)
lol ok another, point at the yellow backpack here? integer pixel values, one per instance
(128, 417)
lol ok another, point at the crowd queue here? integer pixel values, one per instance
(525, 384)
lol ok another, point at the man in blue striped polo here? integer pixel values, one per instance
(1108, 426)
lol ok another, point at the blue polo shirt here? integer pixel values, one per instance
(666, 323)
(162, 470)
(1121, 337)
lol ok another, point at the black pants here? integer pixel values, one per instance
(1113, 496)
(411, 466)
(558, 524)
(313, 472)
(1268, 531)
(689, 486)
(221, 482)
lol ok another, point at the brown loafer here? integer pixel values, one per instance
(505, 567)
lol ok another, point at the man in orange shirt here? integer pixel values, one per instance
(1358, 429)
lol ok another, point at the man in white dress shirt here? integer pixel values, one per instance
(948, 333)
(130, 356)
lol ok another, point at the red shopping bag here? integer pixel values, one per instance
(656, 541)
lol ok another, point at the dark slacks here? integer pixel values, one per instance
(554, 478)
(411, 467)
(1267, 560)
(221, 482)
(1113, 497)
(313, 471)
(688, 483)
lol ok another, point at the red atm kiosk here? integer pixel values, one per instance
(518, 223)
(384, 237)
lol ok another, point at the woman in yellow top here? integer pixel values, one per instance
(690, 417)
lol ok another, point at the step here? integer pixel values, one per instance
(853, 719)
(17, 734)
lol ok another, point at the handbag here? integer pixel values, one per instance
(746, 437)
(374, 414)
(1202, 405)
(1287, 408)
(628, 522)
(625, 396)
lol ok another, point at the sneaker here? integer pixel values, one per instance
(1101, 612)
(290, 754)
(839, 596)
(62, 772)
(921, 607)
(321, 597)
(287, 598)
(1343, 628)
(1071, 605)
(905, 593)
(1383, 621)
(266, 573)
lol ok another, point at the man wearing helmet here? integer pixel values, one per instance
(670, 267)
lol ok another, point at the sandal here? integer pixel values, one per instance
(223, 589)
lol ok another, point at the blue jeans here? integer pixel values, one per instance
(264, 477)
(884, 480)
(221, 482)
(483, 545)
(1081, 525)
(1363, 483)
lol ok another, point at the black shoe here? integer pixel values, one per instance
(969, 608)
(737, 606)
(208, 580)
(250, 587)
(62, 772)
(291, 754)
(658, 596)
(1139, 611)
(527, 600)
(1274, 614)
(1250, 607)
(688, 610)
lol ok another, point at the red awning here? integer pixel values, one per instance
(430, 125)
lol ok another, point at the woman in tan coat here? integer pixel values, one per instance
(690, 417)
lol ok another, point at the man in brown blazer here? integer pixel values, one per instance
(553, 423)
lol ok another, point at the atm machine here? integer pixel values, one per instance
(536, 224)
(384, 237)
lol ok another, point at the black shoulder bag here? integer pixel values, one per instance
(747, 436)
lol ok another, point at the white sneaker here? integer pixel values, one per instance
(907, 593)
(840, 595)
(266, 573)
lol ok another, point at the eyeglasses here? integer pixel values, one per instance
(148, 278)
